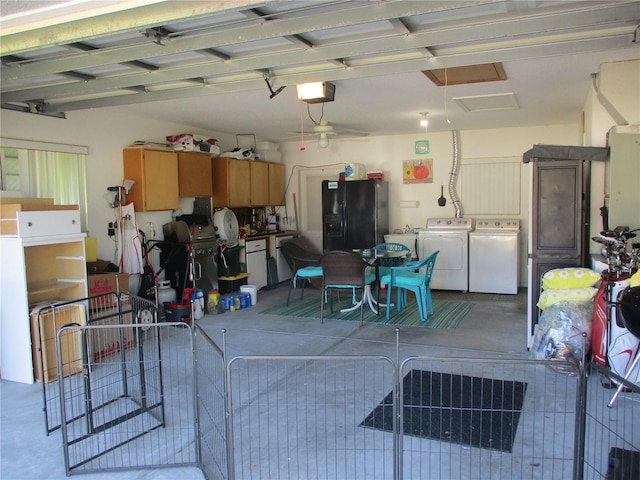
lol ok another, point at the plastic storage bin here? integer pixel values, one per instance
(232, 283)
(229, 261)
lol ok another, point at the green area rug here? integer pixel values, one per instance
(446, 314)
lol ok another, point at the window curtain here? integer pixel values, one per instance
(61, 176)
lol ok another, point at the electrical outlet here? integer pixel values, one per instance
(111, 231)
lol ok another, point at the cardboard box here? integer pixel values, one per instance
(376, 175)
(51, 320)
(105, 342)
(102, 283)
(101, 266)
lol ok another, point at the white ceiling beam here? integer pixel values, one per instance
(336, 74)
(14, 41)
(247, 33)
(399, 26)
(349, 52)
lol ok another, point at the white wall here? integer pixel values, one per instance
(386, 154)
(105, 133)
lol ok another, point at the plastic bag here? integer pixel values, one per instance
(564, 332)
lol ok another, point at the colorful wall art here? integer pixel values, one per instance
(417, 171)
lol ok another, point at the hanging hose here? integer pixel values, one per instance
(453, 176)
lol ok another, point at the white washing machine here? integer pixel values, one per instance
(407, 239)
(451, 237)
(494, 252)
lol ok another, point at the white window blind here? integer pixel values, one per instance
(490, 186)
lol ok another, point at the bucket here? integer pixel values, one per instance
(178, 312)
(251, 290)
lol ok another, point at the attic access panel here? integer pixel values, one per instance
(490, 72)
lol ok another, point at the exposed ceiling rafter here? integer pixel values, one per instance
(224, 37)
(168, 54)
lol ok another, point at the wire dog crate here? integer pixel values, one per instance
(77, 353)
(116, 413)
(105, 389)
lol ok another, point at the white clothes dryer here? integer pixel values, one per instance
(449, 236)
(494, 253)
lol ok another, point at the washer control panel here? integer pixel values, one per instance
(450, 224)
(498, 224)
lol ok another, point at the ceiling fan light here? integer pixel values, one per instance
(424, 122)
(316, 92)
(323, 142)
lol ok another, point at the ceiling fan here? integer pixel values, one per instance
(324, 129)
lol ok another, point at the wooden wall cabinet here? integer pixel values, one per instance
(247, 183)
(277, 184)
(259, 184)
(36, 268)
(194, 174)
(155, 173)
(231, 185)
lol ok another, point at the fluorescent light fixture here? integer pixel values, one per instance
(316, 92)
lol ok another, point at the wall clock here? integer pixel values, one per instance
(422, 147)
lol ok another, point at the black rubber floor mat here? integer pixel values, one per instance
(623, 464)
(474, 411)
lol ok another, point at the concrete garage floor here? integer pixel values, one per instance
(495, 327)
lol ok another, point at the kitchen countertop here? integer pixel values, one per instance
(258, 236)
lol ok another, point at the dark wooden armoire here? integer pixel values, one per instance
(559, 215)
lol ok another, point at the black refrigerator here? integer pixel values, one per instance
(355, 214)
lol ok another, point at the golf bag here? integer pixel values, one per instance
(612, 345)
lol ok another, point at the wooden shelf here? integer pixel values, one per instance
(35, 270)
(51, 287)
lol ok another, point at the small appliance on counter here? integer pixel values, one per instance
(273, 223)
(257, 219)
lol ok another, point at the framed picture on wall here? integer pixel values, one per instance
(417, 171)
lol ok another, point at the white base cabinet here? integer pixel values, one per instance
(35, 269)
(256, 252)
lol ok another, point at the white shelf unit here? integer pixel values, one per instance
(35, 269)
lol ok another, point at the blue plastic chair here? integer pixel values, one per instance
(415, 277)
(385, 264)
